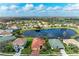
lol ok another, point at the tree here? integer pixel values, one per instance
(71, 49)
(17, 32)
(8, 49)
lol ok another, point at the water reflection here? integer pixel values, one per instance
(51, 33)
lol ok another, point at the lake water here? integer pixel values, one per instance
(51, 33)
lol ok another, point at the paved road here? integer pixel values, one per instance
(62, 52)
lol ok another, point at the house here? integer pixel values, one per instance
(13, 26)
(37, 45)
(71, 41)
(56, 43)
(78, 27)
(5, 33)
(19, 41)
(1, 31)
(4, 40)
(18, 44)
(9, 30)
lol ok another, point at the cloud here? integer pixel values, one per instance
(54, 8)
(8, 8)
(28, 7)
(57, 8)
(13, 7)
(40, 7)
(71, 7)
(50, 8)
(3, 8)
(68, 7)
(40, 10)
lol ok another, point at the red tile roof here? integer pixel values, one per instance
(37, 42)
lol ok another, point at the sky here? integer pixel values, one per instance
(39, 9)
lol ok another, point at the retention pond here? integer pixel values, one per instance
(51, 33)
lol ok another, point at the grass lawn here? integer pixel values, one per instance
(27, 49)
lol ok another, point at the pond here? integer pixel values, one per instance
(51, 33)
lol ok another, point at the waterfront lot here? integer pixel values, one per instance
(22, 26)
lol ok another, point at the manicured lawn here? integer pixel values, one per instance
(8, 48)
(71, 49)
(27, 49)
